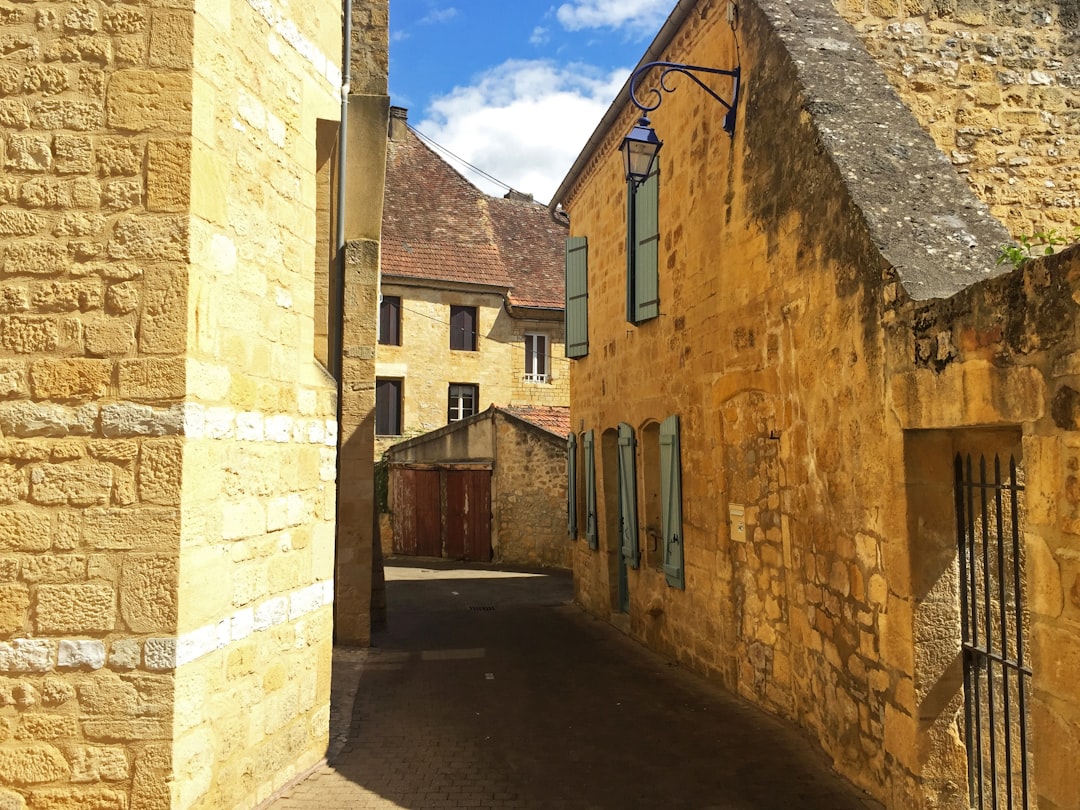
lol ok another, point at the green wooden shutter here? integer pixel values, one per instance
(628, 527)
(591, 533)
(647, 250)
(571, 485)
(577, 296)
(671, 501)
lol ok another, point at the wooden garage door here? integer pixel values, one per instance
(417, 513)
(468, 515)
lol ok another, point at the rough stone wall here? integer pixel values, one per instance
(1001, 354)
(818, 395)
(168, 437)
(994, 83)
(427, 366)
(530, 492)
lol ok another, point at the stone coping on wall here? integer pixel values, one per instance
(167, 653)
(922, 216)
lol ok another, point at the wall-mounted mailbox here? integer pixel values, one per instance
(736, 513)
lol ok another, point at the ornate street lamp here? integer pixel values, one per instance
(639, 150)
(640, 147)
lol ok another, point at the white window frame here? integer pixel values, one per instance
(536, 372)
(456, 409)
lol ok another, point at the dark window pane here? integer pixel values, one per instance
(388, 407)
(463, 329)
(390, 320)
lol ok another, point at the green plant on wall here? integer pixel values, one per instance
(382, 487)
(1030, 246)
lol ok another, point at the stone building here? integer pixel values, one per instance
(813, 497)
(487, 488)
(471, 307)
(169, 425)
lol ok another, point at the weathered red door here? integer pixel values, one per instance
(417, 513)
(468, 515)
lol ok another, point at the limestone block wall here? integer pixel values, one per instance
(258, 496)
(995, 84)
(556, 391)
(426, 364)
(168, 441)
(95, 246)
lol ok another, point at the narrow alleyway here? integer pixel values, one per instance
(490, 689)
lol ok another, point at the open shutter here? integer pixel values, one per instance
(671, 501)
(577, 296)
(591, 534)
(571, 485)
(628, 528)
(646, 250)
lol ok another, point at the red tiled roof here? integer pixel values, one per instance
(438, 226)
(553, 418)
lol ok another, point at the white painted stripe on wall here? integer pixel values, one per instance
(163, 654)
(285, 28)
(218, 422)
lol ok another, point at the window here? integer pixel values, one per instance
(388, 407)
(462, 401)
(588, 443)
(536, 348)
(671, 501)
(463, 329)
(571, 485)
(390, 320)
(628, 525)
(642, 250)
(577, 296)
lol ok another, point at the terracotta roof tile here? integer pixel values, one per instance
(553, 418)
(438, 226)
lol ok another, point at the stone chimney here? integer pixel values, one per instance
(399, 123)
(519, 196)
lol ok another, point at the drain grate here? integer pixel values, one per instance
(483, 608)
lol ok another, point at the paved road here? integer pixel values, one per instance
(490, 689)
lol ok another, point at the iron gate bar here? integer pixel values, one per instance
(980, 659)
(1019, 628)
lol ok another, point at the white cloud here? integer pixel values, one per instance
(639, 15)
(438, 15)
(540, 36)
(523, 122)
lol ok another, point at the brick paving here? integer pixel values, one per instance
(491, 690)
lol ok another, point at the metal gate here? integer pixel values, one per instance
(993, 623)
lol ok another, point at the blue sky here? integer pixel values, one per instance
(515, 87)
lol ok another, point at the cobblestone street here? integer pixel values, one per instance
(491, 689)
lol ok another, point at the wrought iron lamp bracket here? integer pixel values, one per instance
(667, 68)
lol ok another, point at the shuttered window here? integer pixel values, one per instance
(588, 446)
(671, 501)
(388, 407)
(571, 486)
(390, 320)
(577, 296)
(463, 329)
(643, 250)
(628, 526)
